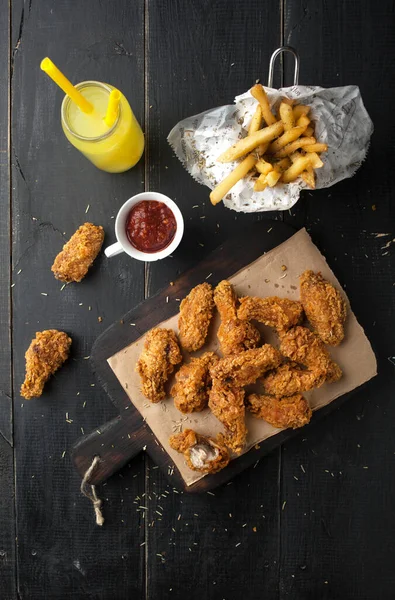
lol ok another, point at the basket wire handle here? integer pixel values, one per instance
(273, 60)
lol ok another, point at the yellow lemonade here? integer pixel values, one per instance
(113, 149)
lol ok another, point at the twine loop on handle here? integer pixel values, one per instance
(89, 491)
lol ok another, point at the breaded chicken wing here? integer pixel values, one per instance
(233, 334)
(292, 411)
(290, 379)
(201, 453)
(196, 312)
(279, 313)
(302, 346)
(324, 307)
(193, 380)
(78, 254)
(245, 368)
(312, 365)
(226, 402)
(46, 353)
(160, 354)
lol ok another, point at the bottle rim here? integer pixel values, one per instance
(66, 104)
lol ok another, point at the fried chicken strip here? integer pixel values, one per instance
(201, 453)
(292, 411)
(279, 313)
(193, 380)
(226, 402)
(303, 348)
(46, 353)
(324, 307)
(160, 354)
(242, 369)
(196, 312)
(233, 334)
(78, 254)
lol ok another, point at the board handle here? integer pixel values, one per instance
(115, 442)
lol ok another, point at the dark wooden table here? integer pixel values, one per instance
(314, 519)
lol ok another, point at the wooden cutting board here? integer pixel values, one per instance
(119, 440)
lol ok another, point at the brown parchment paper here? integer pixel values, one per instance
(263, 277)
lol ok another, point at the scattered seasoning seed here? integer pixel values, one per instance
(302, 467)
(82, 431)
(13, 285)
(87, 208)
(238, 544)
(63, 453)
(283, 506)
(283, 267)
(42, 293)
(167, 299)
(254, 529)
(143, 544)
(269, 230)
(86, 357)
(92, 385)
(365, 467)
(211, 493)
(89, 308)
(20, 271)
(100, 319)
(209, 275)
(195, 206)
(374, 207)
(62, 288)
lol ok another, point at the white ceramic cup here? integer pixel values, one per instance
(123, 244)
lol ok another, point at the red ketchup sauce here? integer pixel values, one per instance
(150, 226)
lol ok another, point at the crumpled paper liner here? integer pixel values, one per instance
(341, 121)
(263, 277)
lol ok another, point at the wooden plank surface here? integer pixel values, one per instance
(61, 552)
(333, 536)
(7, 513)
(336, 529)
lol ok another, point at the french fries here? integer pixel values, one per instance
(309, 131)
(281, 165)
(287, 116)
(286, 138)
(293, 146)
(260, 183)
(259, 94)
(263, 167)
(316, 147)
(238, 173)
(300, 165)
(250, 142)
(303, 121)
(278, 149)
(272, 178)
(309, 177)
(299, 110)
(256, 121)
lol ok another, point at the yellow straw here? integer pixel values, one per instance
(112, 108)
(53, 72)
